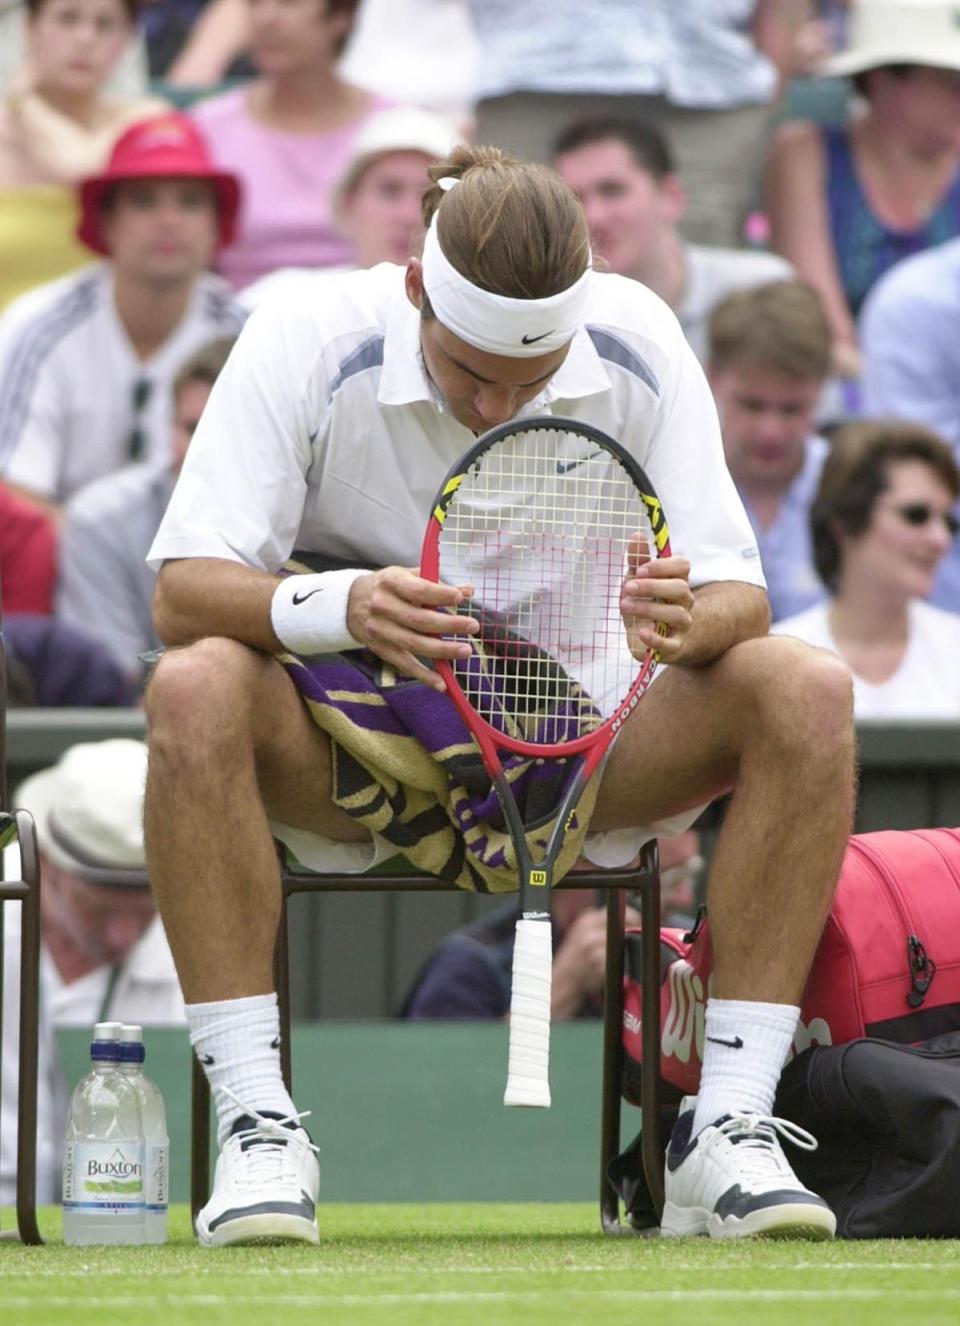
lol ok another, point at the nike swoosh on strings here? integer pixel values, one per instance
(302, 598)
(565, 466)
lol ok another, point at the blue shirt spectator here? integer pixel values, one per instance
(910, 329)
(786, 548)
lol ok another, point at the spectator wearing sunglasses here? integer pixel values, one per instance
(883, 519)
(87, 362)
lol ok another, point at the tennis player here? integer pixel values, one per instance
(330, 430)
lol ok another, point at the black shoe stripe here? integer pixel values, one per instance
(736, 1202)
(306, 1209)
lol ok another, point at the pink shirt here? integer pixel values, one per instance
(287, 179)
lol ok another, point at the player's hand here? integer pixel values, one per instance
(401, 617)
(580, 962)
(655, 590)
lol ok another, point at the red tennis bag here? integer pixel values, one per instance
(888, 963)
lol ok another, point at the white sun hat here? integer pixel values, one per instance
(88, 809)
(885, 32)
(398, 129)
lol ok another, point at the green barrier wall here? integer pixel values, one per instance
(408, 1112)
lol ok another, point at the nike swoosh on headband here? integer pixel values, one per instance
(532, 340)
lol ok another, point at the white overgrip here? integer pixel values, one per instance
(528, 1065)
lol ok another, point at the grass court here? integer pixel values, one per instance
(462, 1265)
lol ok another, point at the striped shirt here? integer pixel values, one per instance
(75, 396)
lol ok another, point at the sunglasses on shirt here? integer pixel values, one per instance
(919, 513)
(137, 438)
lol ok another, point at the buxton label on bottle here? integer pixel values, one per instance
(103, 1176)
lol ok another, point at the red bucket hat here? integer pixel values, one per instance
(167, 146)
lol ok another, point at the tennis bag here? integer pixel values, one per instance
(888, 963)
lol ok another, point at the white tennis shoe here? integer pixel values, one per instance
(266, 1184)
(733, 1181)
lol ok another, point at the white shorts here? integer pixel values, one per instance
(608, 850)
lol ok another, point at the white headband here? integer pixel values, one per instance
(519, 328)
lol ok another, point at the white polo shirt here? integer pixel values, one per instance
(324, 433)
(69, 378)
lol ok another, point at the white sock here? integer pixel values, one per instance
(238, 1043)
(745, 1045)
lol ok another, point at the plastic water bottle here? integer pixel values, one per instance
(103, 1154)
(155, 1138)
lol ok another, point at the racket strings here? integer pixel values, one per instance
(545, 525)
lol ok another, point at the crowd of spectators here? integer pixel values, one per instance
(167, 167)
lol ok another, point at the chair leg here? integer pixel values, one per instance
(29, 1032)
(612, 1060)
(651, 1145)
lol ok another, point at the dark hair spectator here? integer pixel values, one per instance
(622, 171)
(882, 520)
(858, 472)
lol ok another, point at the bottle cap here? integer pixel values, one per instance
(107, 1031)
(130, 1032)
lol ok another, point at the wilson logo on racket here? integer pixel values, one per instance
(538, 877)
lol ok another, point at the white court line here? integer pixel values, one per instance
(457, 1268)
(499, 1296)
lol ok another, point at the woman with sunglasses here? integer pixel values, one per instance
(882, 520)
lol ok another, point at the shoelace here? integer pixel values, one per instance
(273, 1155)
(756, 1138)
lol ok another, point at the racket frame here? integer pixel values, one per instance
(535, 878)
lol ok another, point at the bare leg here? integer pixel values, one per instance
(773, 720)
(230, 741)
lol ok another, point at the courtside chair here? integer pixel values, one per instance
(18, 827)
(643, 879)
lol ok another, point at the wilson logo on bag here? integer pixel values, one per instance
(888, 963)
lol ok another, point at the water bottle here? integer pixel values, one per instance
(103, 1154)
(156, 1141)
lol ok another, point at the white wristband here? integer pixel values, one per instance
(309, 613)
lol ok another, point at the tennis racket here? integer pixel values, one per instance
(545, 517)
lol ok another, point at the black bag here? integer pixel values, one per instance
(887, 1119)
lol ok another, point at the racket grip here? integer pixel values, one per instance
(528, 1064)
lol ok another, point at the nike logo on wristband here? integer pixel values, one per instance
(299, 598)
(532, 340)
(735, 1044)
